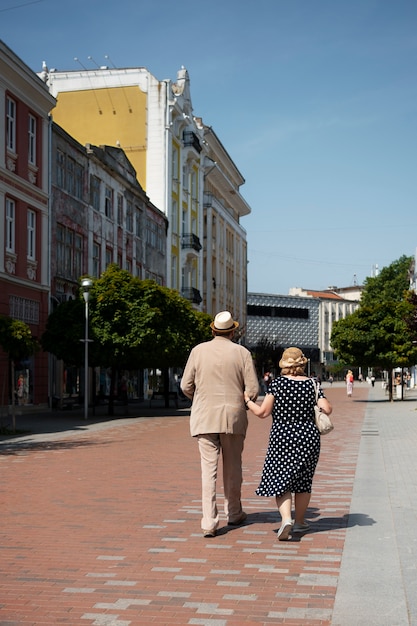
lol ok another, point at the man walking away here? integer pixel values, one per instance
(215, 377)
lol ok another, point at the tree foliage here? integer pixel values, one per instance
(133, 324)
(16, 338)
(266, 355)
(377, 333)
(64, 331)
(138, 323)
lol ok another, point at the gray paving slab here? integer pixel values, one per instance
(378, 576)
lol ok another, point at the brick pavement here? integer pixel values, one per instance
(102, 527)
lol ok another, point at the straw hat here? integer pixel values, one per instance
(223, 323)
(292, 357)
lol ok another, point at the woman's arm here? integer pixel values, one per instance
(260, 410)
(325, 405)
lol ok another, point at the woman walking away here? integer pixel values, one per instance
(294, 440)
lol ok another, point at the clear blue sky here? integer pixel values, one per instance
(315, 101)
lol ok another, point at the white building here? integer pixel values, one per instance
(180, 163)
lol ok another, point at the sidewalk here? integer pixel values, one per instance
(100, 523)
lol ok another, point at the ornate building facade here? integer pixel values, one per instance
(180, 163)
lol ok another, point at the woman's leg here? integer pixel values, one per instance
(284, 507)
(302, 500)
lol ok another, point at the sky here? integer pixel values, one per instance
(314, 100)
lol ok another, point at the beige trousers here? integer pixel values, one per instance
(231, 447)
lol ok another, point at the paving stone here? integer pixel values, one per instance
(114, 503)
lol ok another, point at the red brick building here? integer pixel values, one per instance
(25, 103)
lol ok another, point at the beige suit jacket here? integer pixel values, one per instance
(215, 376)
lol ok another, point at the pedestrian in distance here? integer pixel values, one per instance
(216, 375)
(294, 440)
(349, 383)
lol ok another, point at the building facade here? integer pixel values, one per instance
(304, 320)
(99, 215)
(25, 103)
(173, 153)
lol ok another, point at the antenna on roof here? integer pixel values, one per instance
(106, 56)
(95, 62)
(92, 88)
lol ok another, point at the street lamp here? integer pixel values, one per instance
(86, 285)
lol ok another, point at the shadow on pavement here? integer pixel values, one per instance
(19, 447)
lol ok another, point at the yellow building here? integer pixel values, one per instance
(180, 163)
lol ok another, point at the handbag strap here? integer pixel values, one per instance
(316, 389)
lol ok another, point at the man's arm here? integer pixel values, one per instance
(251, 378)
(187, 381)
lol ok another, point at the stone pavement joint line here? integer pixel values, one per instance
(101, 526)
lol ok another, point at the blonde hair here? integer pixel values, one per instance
(297, 370)
(293, 362)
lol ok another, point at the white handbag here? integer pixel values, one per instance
(323, 421)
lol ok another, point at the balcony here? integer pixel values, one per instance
(191, 294)
(189, 240)
(191, 140)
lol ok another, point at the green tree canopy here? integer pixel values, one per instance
(16, 338)
(377, 333)
(65, 329)
(138, 323)
(133, 323)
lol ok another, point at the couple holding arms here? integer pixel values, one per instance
(220, 379)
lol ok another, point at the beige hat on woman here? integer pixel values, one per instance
(223, 323)
(292, 357)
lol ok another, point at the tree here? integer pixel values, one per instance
(17, 341)
(133, 324)
(66, 345)
(377, 334)
(266, 355)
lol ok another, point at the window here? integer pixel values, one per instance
(174, 272)
(71, 176)
(108, 202)
(138, 225)
(10, 225)
(277, 311)
(194, 187)
(151, 233)
(79, 175)
(174, 217)
(24, 309)
(60, 169)
(109, 256)
(160, 239)
(60, 250)
(69, 253)
(95, 192)
(120, 209)
(96, 260)
(31, 228)
(138, 250)
(129, 217)
(11, 124)
(32, 140)
(175, 163)
(78, 256)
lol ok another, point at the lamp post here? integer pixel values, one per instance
(86, 285)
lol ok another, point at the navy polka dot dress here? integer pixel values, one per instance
(294, 440)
